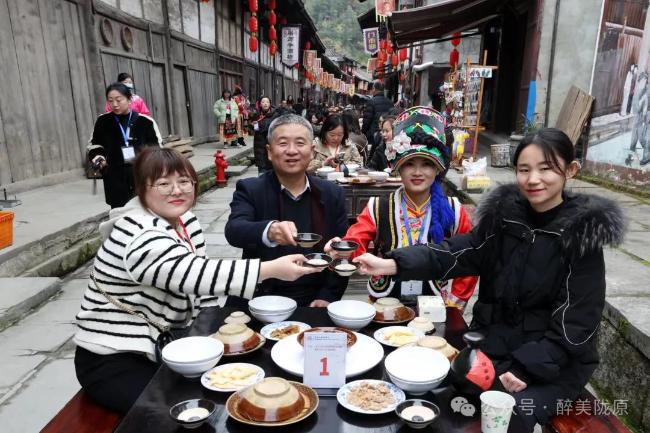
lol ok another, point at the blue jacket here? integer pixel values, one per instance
(255, 203)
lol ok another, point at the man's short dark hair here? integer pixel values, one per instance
(378, 86)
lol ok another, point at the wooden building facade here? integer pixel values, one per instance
(57, 57)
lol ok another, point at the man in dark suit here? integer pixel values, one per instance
(267, 211)
(378, 105)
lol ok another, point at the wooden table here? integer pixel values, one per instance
(151, 411)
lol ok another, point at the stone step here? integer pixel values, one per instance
(20, 295)
(236, 170)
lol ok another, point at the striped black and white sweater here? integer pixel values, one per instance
(144, 264)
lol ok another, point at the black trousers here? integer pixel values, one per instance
(113, 381)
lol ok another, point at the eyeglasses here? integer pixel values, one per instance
(167, 188)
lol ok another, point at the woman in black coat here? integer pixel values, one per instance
(261, 124)
(118, 137)
(539, 252)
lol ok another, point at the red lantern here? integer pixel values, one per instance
(403, 53)
(252, 43)
(252, 24)
(389, 49)
(394, 60)
(273, 48)
(456, 39)
(271, 4)
(454, 57)
(308, 75)
(272, 18)
(382, 44)
(308, 45)
(252, 5)
(273, 35)
(381, 56)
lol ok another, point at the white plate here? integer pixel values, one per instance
(289, 355)
(380, 334)
(268, 329)
(342, 396)
(205, 381)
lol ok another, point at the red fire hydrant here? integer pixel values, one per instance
(220, 166)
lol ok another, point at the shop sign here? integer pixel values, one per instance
(290, 45)
(371, 40)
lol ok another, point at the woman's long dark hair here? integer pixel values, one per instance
(555, 145)
(330, 123)
(120, 87)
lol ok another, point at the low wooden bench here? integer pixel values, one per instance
(582, 421)
(82, 415)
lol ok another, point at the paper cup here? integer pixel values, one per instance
(496, 409)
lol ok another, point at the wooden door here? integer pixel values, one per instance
(183, 109)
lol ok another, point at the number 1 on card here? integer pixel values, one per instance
(324, 371)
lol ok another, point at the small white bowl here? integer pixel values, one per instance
(378, 176)
(351, 309)
(272, 317)
(355, 325)
(272, 304)
(415, 369)
(192, 356)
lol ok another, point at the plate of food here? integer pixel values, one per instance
(366, 353)
(369, 396)
(398, 336)
(232, 377)
(362, 180)
(279, 330)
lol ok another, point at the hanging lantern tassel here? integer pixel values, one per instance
(454, 57)
(252, 43)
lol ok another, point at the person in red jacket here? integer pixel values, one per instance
(416, 213)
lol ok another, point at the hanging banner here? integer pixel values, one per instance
(317, 63)
(351, 89)
(309, 58)
(371, 40)
(372, 64)
(290, 45)
(384, 8)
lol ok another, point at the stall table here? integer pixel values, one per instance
(151, 411)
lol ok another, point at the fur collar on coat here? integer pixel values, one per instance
(586, 222)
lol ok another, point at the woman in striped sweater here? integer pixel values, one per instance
(153, 262)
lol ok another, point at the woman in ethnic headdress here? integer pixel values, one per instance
(416, 213)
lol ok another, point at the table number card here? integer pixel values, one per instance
(325, 359)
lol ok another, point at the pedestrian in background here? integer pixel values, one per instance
(137, 103)
(378, 105)
(227, 114)
(117, 139)
(242, 119)
(299, 108)
(379, 160)
(331, 144)
(261, 123)
(351, 119)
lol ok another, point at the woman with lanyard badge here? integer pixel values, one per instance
(117, 138)
(418, 212)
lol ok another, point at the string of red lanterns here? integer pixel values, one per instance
(253, 25)
(273, 35)
(454, 55)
